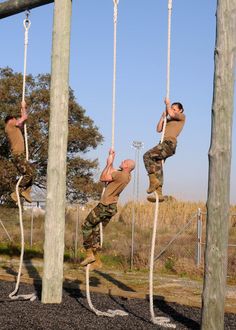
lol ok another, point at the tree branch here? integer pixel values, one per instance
(12, 7)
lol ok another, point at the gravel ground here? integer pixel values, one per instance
(74, 313)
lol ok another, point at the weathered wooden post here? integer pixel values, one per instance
(218, 201)
(56, 171)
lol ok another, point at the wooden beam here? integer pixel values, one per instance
(12, 7)
(57, 155)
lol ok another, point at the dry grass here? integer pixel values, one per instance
(179, 258)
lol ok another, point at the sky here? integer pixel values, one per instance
(141, 80)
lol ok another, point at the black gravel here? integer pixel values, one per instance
(74, 313)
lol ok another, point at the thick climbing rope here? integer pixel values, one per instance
(13, 295)
(160, 320)
(115, 15)
(109, 313)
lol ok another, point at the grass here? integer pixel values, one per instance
(178, 259)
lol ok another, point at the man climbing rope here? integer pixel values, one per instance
(116, 181)
(13, 131)
(153, 158)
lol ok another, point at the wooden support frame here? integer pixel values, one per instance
(220, 153)
(58, 134)
(12, 7)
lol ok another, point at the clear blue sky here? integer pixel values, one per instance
(141, 78)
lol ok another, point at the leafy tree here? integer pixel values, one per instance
(83, 134)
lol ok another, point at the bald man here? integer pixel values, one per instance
(116, 181)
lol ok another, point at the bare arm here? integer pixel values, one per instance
(161, 122)
(109, 169)
(24, 116)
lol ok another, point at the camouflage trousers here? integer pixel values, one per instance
(8, 175)
(23, 169)
(153, 158)
(90, 228)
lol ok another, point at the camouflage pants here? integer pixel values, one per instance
(24, 169)
(90, 229)
(8, 174)
(153, 158)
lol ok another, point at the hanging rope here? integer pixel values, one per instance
(26, 24)
(115, 16)
(162, 321)
(168, 63)
(109, 312)
(114, 74)
(13, 295)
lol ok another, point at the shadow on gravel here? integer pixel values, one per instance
(128, 310)
(176, 315)
(119, 284)
(34, 274)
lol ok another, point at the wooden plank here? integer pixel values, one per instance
(12, 7)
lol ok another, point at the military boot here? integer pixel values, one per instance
(14, 196)
(90, 257)
(152, 198)
(97, 264)
(26, 194)
(153, 183)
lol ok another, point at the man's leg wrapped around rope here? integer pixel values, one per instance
(26, 170)
(91, 232)
(153, 159)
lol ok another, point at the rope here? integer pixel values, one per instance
(109, 312)
(160, 320)
(114, 73)
(13, 295)
(115, 15)
(26, 24)
(168, 62)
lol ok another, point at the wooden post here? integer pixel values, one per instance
(12, 7)
(218, 201)
(56, 170)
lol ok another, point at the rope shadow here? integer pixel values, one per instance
(114, 281)
(163, 306)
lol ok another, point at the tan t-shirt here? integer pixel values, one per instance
(115, 187)
(15, 138)
(174, 126)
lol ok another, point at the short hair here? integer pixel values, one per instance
(179, 105)
(9, 117)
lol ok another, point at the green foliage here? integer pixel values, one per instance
(83, 134)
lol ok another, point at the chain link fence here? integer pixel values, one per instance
(181, 252)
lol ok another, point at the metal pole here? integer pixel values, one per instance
(137, 145)
(199, 237)
(133, 219)
(76, 233)
(31, 227)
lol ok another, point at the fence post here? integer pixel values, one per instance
(199, 237)
(31, 227)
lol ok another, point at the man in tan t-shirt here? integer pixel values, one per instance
(116, 181)
(15, 137)
(153, 158)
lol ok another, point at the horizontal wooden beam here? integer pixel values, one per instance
(12, 7)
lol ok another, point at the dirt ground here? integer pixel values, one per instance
(178, 299)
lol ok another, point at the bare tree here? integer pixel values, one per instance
(218, 201)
